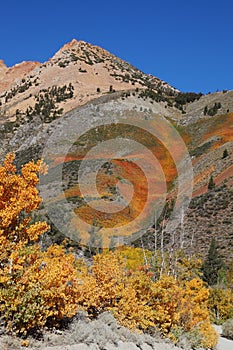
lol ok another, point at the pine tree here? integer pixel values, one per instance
(212, 264)
(225, 154)
(211, 184)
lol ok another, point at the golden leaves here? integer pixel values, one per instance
(221, 303)
(139, 302)
(39, 287)
(18, 192)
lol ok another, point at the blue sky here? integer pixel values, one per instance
(189, 44)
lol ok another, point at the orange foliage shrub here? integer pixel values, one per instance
(45, 292)
(221, 304)
(138, 302)
(101, 285)
(208, 335)
(35, 287)
(109, 285)
(194, 304)
(18, 198)
(166, 296)
(134, 258)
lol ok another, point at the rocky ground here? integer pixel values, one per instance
(101, 334)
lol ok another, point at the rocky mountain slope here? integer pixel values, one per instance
(90, 70)
(86, 83)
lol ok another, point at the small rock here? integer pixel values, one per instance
(93, 347)
(145, 346)
(126, 346)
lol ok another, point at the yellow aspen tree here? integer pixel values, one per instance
(19, 197)
(36, 287)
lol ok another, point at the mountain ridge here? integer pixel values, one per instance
(91, 70)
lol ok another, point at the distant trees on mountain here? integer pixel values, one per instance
(211, 184)
(46, 102)
(185, 97)
(225, 153)
(212, 110)
(212, 264)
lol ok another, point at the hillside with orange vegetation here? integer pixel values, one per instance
(109, 100)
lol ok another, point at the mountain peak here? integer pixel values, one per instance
(69, 45)
(72, 45)
(91, 70)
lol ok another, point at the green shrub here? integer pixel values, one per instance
(185, 97)
(225, 153)
(227, 329)
(211, 184)
(212, 110)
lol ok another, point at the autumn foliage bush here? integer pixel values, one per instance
(35, 286)
(221, 303)
(44, 287)
(139, 302)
